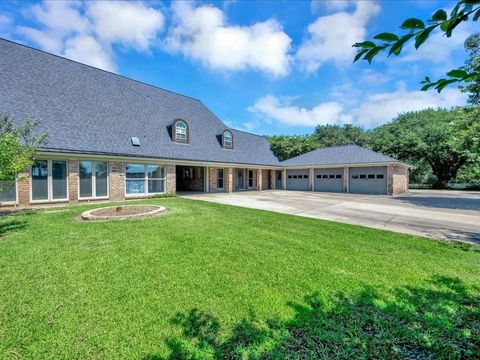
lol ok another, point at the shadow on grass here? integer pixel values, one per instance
(9, 223)
(438, 320)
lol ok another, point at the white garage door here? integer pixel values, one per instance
(297, 179)
(329, 180)
(368, 180)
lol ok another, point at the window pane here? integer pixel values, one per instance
(101, 179)
(59, 179)
(85, 170)
(40, 180)
(135, 187)
(155, 186)
(8, 191)
(155, 171)
(135, 171)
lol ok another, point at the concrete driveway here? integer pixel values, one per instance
(449, 215)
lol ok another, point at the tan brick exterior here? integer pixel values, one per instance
(397, 179)
(346, 179)
(311, 179)
(73, 180)
(259, 184)
(228, 179)
(266, 179)
(212, 180)
(171, 179)
(116, 180)
(24, 188)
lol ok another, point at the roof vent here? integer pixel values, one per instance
(135, 141)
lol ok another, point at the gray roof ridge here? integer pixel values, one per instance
(95, 68)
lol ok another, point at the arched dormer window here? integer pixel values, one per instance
(180, 131)
(227, 139)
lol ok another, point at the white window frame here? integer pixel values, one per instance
(145, 179)
(183, 131)
(15, 202)
(94, 181)
(50, 183)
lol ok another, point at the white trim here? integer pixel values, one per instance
(50, 198)
(94, 182)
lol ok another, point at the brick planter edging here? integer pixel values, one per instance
(89, 215)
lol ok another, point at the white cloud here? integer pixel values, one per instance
(86, 49)
(128, 23)
(273, 108)
(371, 111)
(371, 77)
(331, 37)
(85, 31)
(330, 5)
(202, 33)
(382, 107)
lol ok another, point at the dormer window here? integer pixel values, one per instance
(227, 139)
(180, 129)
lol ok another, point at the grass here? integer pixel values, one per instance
(214, 281)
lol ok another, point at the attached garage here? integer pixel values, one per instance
(368, 180)
(297, 179)
(328, 180)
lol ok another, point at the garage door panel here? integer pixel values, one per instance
(329, 180)
(368, 180)
(297, 179)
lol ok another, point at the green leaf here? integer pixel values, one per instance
(422, 36)
(476, 16)
(457, 73)
(444, 26)
(360, 54)
(426, 87)
(440, 15)
(397, 47)
(386, 37)
(372, 52)
(443, 83)
(413, 23)
(455, 23)
(365, 44)
(426, 80)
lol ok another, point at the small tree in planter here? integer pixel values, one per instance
(18, 144)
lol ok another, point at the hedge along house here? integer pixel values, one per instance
(113, 138)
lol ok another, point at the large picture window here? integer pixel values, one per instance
(93, 179)
(144, 179)
(8, 192)
(49, 180)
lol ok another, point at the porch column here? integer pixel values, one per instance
(206, 170)
(259, 179)
(284, 180)
(229, 178)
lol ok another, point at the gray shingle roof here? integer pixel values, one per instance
(347, 154)
(84, 109)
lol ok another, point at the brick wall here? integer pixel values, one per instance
(24, 188)
(266, 179)
(398, 183)
(116, 180)
(171, 179)
(73, 180)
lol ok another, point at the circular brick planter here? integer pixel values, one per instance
(123, 212)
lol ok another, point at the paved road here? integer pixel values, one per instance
(449, 215)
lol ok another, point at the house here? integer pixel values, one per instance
(115, 138)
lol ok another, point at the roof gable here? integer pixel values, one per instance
(84, 109)
(346, 154)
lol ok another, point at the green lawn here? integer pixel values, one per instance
(214, 281)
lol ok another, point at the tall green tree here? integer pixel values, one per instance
(334, 135)
(418, 31)
(288, 146)
(428, 137)
(472, 46)
(18, 144)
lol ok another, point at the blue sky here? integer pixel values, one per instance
(270, 67)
